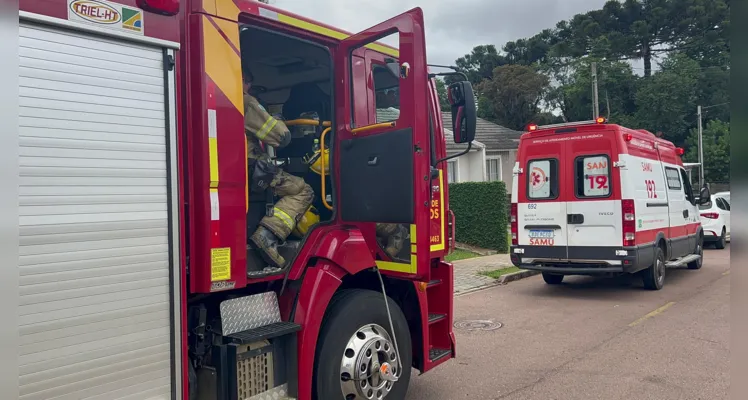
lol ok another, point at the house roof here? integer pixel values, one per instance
(452, 147)
(493, 136)
(391, 114)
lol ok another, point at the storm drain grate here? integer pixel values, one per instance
(477, 325)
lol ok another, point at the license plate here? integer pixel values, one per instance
(544, 234)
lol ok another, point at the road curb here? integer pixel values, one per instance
(515, 276)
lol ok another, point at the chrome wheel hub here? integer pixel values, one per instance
(369, 364)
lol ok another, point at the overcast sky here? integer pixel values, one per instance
(454, 27)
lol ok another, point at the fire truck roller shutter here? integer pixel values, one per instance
(94, 256)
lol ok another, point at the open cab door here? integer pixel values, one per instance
(382, 162)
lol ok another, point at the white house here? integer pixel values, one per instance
(491, 158)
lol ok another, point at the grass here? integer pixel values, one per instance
(460, 255)
(497, 273)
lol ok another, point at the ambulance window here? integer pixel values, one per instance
(687, 187)
(593, 176)
(673, 178)
(542, 179)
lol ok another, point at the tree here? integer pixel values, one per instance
(514, 92)
(530, 51)
(441, 91)
(479, 64)
(571, 92)
(716, 142)
(666, 101)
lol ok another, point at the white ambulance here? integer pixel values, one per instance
(592, 198)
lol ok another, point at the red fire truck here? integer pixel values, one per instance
(136, 276)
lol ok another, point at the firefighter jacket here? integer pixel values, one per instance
(295, 195)
(262, 127)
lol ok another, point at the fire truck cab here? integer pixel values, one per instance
(592, 198)
(135, 273)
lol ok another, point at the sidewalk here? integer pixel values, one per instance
(467, 272)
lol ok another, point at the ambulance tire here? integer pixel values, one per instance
(348, 311)
(654, 276)
(722, 242)
(700, 251)
(552, 279)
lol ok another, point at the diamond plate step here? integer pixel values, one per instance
(682, 261)
(434, 317)
(276, 393)
(438, 354)
(434, 282)
(264, 332)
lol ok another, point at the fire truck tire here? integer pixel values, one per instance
(654, 276)
(352, 314)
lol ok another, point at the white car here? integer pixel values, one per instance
(715, 220)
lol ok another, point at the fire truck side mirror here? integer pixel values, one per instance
(464, 114)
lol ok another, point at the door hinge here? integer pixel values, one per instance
(169, 62)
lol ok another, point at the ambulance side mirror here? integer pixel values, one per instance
(464, 114)
(705, 196)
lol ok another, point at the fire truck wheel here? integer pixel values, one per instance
(654, 276)
(356, 355)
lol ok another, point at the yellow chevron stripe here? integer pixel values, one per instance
(324, 31)
(230, 29)
(228, 9)
(411, 268)
(222, 65)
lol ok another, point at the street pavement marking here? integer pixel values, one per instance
(652, 314)
(726, 273)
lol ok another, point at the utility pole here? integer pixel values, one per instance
(595, 103)
(701, 151)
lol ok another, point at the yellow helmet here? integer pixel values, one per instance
(316, 160)
(309, 219)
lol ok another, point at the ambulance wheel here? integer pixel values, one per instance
(722, 242)
(354, 343)
(700, 251)
(654, 276)
(552, 279)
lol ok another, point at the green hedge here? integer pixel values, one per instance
(481, 214)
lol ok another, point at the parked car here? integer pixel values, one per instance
(715, 218)
(724, 195)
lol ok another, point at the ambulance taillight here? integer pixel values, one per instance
(514, 225)
(163, 7)
(629, 222)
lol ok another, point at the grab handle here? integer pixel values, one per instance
(322, 166)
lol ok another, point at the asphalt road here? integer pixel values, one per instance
(593, 338)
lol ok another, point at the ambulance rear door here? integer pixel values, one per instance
(541, 210)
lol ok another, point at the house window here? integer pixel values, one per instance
(493, 168)
(452, 171)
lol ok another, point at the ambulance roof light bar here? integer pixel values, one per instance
(535, 127)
